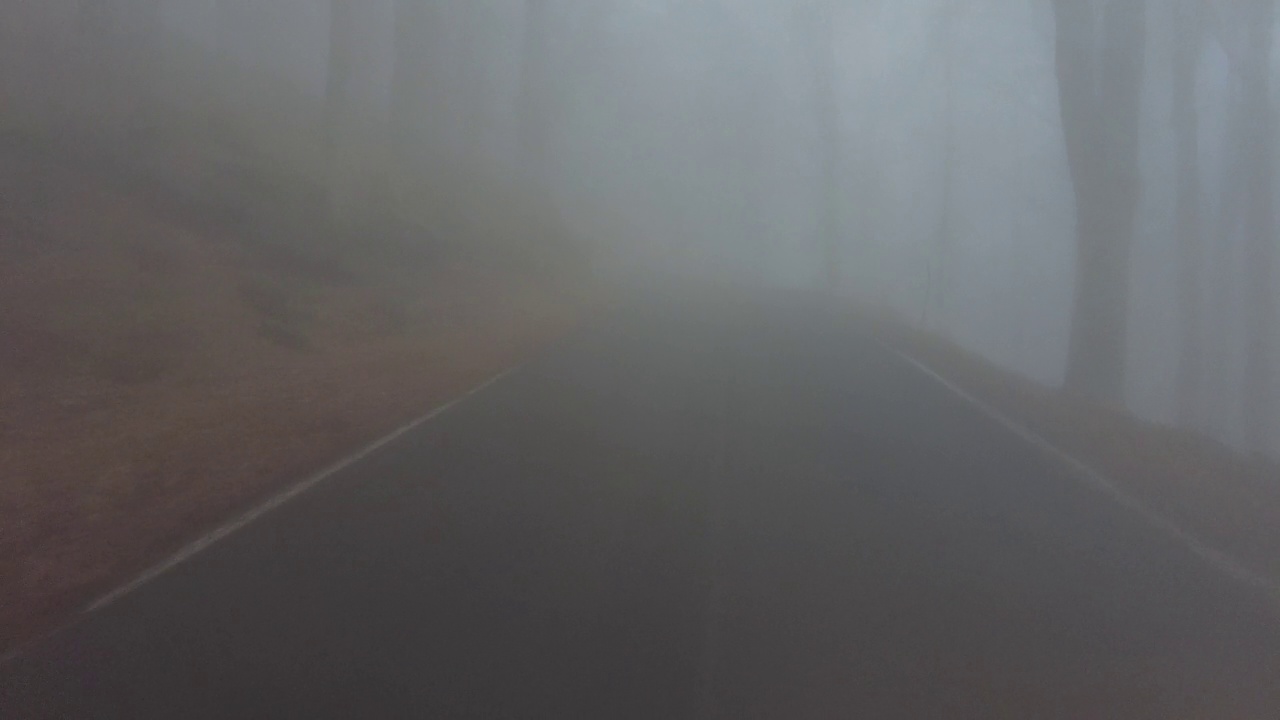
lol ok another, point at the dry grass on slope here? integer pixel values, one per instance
(157, 373)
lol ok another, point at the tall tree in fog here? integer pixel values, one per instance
(1260, 222)
(819, 16)
(1224, 228)
(148, 56)
(1188, 43)
(118, 44)
(1099, 64)
(536, 88)
(418, 25)
(471, 82)
(341, 114)
(940, 258)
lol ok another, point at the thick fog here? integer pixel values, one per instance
(1081, 191)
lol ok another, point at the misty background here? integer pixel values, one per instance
(1080, 191)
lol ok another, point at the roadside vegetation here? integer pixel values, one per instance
(186, 329)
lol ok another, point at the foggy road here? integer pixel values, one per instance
(693, 509)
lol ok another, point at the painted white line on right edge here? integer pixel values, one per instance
(1219, 560)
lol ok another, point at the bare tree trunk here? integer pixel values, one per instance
(536, 91)
(116, 65)
(471, 80)
(1189, 383)
(1260, 225)
(418, 29)
(1101, 108)
(940, 258)
(230, 20)
(1222, 287)
(345, 197)
(146, 63)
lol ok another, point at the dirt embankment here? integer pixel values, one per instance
(158, 372)
(1223, 498)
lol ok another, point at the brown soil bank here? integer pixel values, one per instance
(158, 373)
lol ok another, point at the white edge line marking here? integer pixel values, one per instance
(1217, 559)
(281, 498)
(249, 516)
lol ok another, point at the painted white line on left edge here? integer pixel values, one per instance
(1215, 558)
(275, 501)
(272, 503)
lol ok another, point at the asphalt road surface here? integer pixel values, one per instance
(694, 510)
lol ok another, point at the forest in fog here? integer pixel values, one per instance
(1080, 190)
